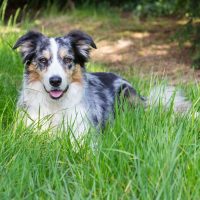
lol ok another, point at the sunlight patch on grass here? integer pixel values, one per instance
(7, 29)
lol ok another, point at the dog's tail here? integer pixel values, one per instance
(169, 96)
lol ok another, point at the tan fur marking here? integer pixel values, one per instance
(77, 75)
(33, 73)
(62, 52)
(46, 54)
(25, 47)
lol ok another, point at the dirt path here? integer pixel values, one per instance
(127, 43)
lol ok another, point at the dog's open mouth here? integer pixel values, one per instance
(56, 94)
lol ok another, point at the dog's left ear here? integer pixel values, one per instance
(81, 44)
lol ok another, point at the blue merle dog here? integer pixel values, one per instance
(56, 85)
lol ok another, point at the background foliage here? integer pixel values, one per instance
(189, 9)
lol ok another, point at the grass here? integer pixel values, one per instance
(144, 154)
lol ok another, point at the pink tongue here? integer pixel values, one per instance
(56, 93)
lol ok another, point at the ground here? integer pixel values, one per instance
(127, 43)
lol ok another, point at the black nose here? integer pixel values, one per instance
(55, 81)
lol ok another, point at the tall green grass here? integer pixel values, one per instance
(144, 154)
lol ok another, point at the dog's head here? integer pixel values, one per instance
(55, 62)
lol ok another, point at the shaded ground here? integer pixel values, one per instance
(125, 43)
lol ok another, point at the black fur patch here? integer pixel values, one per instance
(28, 44)
(81, 43)
(106, 78)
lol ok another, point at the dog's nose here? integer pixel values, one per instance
(55, 81)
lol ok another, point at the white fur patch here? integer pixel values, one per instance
(69, 111)
(166, 96)
(55, 68)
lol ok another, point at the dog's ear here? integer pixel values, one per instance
(81, 44)
(28, 43)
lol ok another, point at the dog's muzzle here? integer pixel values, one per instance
(56, 93)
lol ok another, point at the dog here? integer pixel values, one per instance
(57, 87)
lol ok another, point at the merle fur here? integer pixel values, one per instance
(100, 89)
(76, 37)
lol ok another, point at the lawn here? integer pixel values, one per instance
(144, 154)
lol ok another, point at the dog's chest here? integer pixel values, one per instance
(74, 117)
(69, 113)
(71, 119)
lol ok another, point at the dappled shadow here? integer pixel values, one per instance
(146, 46)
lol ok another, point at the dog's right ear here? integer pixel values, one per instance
(28, 43)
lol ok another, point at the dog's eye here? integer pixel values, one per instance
(43, 60)
(67, 60)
